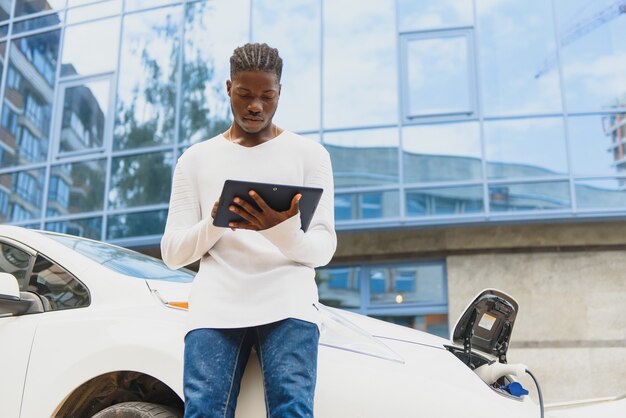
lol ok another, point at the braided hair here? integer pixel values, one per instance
(256, 57)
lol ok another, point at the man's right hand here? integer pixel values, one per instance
(214, 210)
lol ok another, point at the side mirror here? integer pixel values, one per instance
(9, 288)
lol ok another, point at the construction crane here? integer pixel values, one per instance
(581, 28)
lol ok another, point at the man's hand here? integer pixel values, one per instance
(258, 220)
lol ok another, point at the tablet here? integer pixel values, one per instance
(277, 196)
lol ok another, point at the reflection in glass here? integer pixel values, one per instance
(60, 288)
(364, 157)
(88, 228)
(593, 53)
(84, 114)
(407, 284)
(99, 10)
(144, 4)
(448, 152)
(21, 195)
(5, 11)
(433, 14)
(516, 40)
(339, 287)
(125, 261)
(436, 324)
(25, 7)
(275, 22)
(4, 30)
(76, 188)
(28, 96)
(15, 262)
(136, 224)
(210, 38)
(42, 52)
(597, 144)
(101, 36)
(444, 201)
(143, 179)
(438, 75)
(525, 148)
(529, 196)
(367, 205)
(601, 194)
(146, 94)
(360, 78)
(71, 3)
(37, 23)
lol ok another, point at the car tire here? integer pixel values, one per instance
(138, 410)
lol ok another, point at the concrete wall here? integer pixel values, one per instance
(571, 327)
(569, 279)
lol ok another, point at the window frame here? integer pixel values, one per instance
(405, 39)
(107, 135)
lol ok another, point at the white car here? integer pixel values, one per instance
(92, 329)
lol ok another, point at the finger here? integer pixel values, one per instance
(259, 201)
(242, 225)
(243, 213)
(295, 204)
(247, 207)
(214, 210)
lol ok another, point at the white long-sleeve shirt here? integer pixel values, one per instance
(249, 278)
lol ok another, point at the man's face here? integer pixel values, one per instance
(253, 99)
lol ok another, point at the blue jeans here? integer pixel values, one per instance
(215, 360)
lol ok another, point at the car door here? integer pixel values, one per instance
(16, 332)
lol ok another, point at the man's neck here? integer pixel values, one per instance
(238, 136)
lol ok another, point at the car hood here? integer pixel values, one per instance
(386, 330)
(169, 292)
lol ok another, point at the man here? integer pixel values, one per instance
(255, 287)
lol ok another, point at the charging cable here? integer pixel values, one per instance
(538, 391)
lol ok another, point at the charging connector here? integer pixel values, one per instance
(489, 373)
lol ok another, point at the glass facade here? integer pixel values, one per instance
(441, 111)
(433, 112)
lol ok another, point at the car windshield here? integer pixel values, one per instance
(122, 260)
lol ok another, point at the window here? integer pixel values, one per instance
(9, 120)
(367, 205)
(29, 146)
(14, 78)
(60, 288)
(34, 111)
(124, 261)
(84, 112)
(4, 204)
(14, 261)
(59, 191)
(27, 187)
(438, 75)
(411, 294)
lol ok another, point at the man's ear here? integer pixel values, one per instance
(280, 86)
(229, 84)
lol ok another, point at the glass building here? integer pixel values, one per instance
(435, 112)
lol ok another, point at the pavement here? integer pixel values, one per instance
(599, 408)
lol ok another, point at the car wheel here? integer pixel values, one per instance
(138, 410)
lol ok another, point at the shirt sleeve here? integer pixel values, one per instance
(316, 247)
(187, 236)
